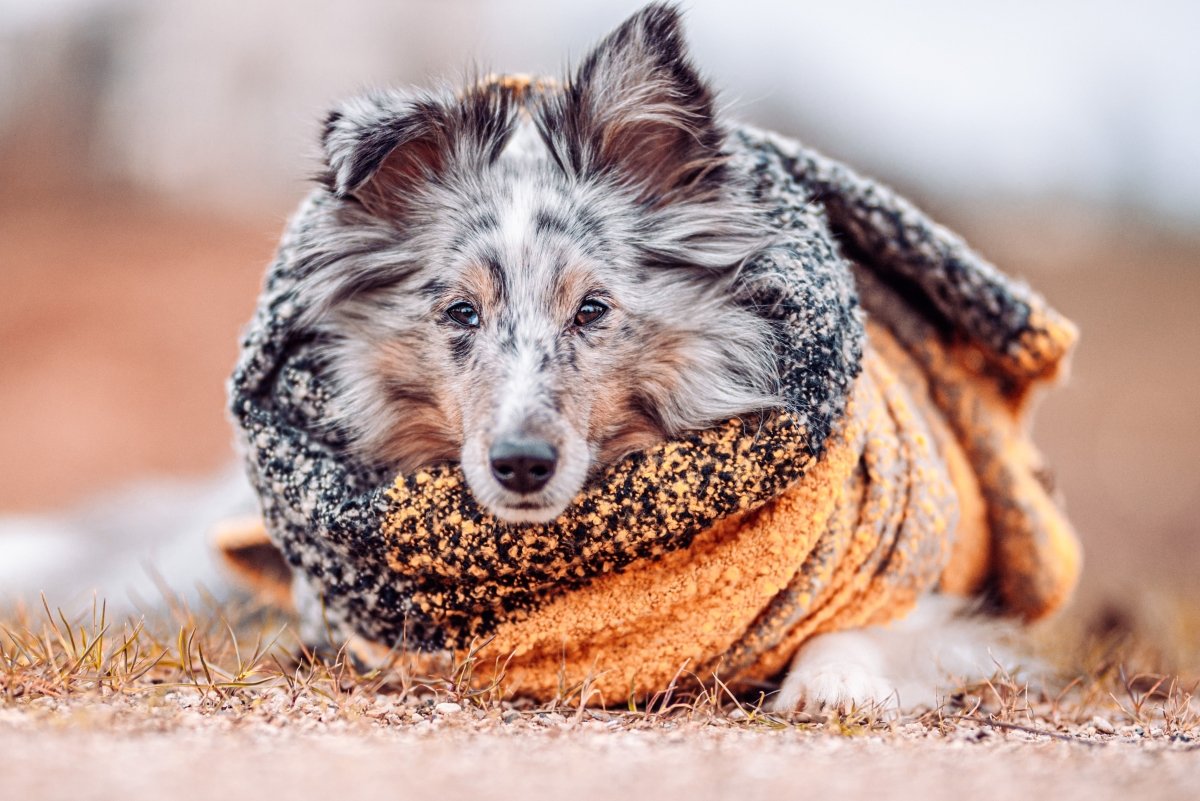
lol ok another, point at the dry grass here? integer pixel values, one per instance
(1103, 682)
(208, 703)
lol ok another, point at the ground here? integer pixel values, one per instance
(446, 757)
(212, 704)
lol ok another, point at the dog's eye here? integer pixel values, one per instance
(464, 314)
(589, 312)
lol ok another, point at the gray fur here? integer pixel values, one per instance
(613, 187)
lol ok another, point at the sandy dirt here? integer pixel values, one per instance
(102, 751)
(223, 704)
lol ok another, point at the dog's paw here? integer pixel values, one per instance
(840, 671)
(835, 685)
(886, 668)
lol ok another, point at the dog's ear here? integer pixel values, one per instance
(384, 148)
(380, 148)
(637, 110)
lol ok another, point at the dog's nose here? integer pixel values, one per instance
(523, 465)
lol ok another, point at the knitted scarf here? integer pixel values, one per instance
(898, 465)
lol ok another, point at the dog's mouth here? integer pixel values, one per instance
(527, 512)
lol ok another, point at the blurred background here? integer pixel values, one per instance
(150, 152)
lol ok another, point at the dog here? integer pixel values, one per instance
(534, 280)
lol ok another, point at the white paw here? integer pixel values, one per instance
(886, 668)
(843, 686)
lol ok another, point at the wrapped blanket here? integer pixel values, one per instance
(899, 465)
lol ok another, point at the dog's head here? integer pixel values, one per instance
(537, 282)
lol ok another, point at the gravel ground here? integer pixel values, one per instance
(180, 745)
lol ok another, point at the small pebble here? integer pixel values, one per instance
(447, 708)
(738, 714)
(1103, 726)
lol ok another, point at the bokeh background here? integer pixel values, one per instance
(150, 152)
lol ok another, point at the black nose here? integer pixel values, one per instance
(523, 465)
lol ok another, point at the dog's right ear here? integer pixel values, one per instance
(384, 149)
(380, 149)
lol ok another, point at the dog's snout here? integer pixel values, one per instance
(523, 465)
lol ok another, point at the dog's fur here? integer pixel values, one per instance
(609, 189)
(471, 229)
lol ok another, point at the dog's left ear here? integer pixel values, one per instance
(637, 111)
